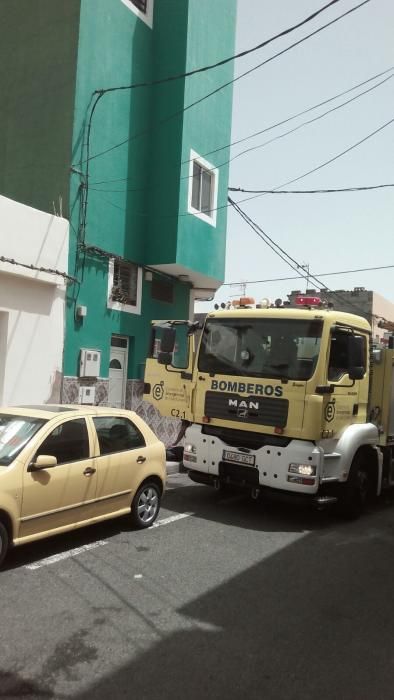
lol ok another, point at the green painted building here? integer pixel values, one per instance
(136, 170)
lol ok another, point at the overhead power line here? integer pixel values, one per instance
(289, 260)
(211, 66)
(260, 131)
(275, 138)
(322, 165)
(327, 191)
(101, 93)
(319, 274)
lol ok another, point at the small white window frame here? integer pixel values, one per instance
(211, 220)
(117, 305)
(147, 16)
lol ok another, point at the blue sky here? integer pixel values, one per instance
(328, 232)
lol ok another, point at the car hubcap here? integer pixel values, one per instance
(147, 504)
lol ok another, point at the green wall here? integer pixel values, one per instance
(38, 53)
(115, 48)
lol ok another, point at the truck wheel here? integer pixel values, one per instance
(356, 492)
(146, 505)
(3, 542)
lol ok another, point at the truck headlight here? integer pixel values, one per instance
(302, 469)
(191, 449)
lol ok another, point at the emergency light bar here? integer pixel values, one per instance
(308, 301)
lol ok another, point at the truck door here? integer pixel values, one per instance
(169, 369)
(347, 373)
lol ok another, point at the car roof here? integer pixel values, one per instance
(49, 411)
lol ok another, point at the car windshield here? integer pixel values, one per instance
(15, 433)
(261, 347)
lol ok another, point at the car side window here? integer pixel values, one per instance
(68, 442)
(116, 434)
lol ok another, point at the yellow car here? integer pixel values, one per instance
(63, 467)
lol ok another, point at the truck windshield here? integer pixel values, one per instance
(260, 347)
(15, 433)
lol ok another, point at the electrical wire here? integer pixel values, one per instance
(101, 93)
(224, 61)
(319, 274)
(294, 264)
(47, 270)
(322, 191)
(261, 131)
(262, 193)
(266, 143)
(323, 165)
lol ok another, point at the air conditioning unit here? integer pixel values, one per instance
(89, 363)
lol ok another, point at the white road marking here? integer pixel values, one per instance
(171, 519)
(65, 555)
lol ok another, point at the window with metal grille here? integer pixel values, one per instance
(202, 188)
(162, 290)
(140, 4)
(125, 284)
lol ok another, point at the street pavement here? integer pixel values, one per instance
(225, 598)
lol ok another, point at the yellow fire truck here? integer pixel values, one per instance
(286, 402)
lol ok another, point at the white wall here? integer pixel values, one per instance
(32, 304)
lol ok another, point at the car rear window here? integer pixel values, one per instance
(15, 433)
(117, 434)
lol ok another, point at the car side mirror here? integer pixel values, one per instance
(42, 462)
(356, 373)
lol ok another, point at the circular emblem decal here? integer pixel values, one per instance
(329, 413)
(158, 391)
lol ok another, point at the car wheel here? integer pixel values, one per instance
(4, 540)
(146, 505)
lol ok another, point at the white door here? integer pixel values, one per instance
(117, 377)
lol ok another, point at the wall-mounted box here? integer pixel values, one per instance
(87, 395)
(89, 363)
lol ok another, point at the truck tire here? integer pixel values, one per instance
(355, 493)
(4, 541)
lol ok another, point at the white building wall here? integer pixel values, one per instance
(32, 304)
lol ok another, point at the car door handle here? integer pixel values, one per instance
(141, 459)
(89, 471)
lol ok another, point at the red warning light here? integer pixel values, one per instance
(307, 301)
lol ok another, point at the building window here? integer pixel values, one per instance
(124, 286)
(161, 290)
(203, 189)
(142, 8)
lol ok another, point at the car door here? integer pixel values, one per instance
(63, 495)
(121, 457)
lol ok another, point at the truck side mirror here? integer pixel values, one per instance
(356, 373)
(167, 342)
(164, 358)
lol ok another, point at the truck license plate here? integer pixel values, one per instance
(238, 458)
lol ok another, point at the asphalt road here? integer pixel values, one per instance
(226, 598)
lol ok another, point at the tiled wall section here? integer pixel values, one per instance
(166, 429)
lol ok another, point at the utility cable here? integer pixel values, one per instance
(294, 264)
(101, 93)
(47, 270)
(275, 138)
(323, 165)
(241, 54)
(322, 191)
(319, 274)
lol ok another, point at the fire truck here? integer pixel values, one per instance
(283, 402)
